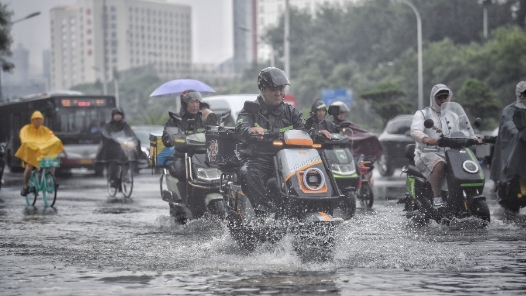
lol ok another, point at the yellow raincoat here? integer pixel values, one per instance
(37, 143)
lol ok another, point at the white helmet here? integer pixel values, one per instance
(343, 107)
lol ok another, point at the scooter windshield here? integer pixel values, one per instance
(457, 120)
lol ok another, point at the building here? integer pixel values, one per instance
(245, 34)
(95, 38)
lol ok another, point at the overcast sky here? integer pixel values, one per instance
(211, 22)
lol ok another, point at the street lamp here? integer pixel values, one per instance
(14, 22)
(419, 37)
(26, 17)
(286, 41)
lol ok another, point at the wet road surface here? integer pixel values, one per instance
(91, 244)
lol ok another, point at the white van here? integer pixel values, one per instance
(234, 103)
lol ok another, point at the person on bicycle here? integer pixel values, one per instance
(36, 142)
(110, 151)
(317, 119)
(190, 110)
(257, 158)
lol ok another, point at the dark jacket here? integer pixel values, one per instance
(183, 126)
(509, 155)
(284, 116)
(312, 124)
(109, 149)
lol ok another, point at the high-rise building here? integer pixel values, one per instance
(95, 38)
(245, 34)
(20, 73)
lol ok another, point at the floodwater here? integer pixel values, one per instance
(93, 245)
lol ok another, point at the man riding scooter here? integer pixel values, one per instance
(257, 158)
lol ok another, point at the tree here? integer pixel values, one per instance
(386, 101)
(5, 38)
(479, 101)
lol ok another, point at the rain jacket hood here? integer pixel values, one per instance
(509, 154)
(37, 143)
(432, 103)
(37, 114)
(114, 126)
(521, 87)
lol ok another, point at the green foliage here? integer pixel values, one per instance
(386, 100)
(479, 101)
(5, 38)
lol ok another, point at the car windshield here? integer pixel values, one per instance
(399, 126)
(143, 132)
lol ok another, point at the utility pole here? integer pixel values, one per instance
(287, 42)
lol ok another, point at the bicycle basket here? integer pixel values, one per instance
(48, 162)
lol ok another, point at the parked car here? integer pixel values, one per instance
(143, 133)
(234, 103)
(394, 138)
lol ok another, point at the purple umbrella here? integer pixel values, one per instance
(176, 87)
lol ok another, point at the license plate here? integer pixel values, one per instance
(86, 161)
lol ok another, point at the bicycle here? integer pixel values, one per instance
(125, 170)
(42, 180)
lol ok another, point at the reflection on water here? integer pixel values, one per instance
(100, 247)
(34, 210)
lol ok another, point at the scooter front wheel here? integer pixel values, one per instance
(480, 209)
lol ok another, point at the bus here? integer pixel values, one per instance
(75, 118)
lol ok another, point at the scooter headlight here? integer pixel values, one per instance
(470, 167)
(208, 174)
(343, 169)
(313, 179)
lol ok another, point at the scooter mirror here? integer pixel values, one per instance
(225, 114)
(334, 110)
(251, 107)
(477, 122)
(429, 123)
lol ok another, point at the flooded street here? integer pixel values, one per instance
(92, 244)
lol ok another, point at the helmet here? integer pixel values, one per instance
(189, 94)
(343, 107)
(318, 104)
(272, 77)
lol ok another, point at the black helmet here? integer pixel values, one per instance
(189, 94)
(272, 77)
(318, 104)
(343, 107)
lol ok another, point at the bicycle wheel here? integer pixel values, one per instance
(31, 197)
(49, 192)
(366, 195)
(112, 191)
(127, 180)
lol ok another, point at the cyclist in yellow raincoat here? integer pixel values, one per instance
(36, 142)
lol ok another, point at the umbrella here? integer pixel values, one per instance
(176, 87)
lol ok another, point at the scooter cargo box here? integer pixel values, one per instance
(221, 147)
(160, 155)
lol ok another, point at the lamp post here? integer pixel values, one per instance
(14, 22)
(104, 87)
(286, 41)
(419, 38)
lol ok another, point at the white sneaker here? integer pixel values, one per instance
(438, 202)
